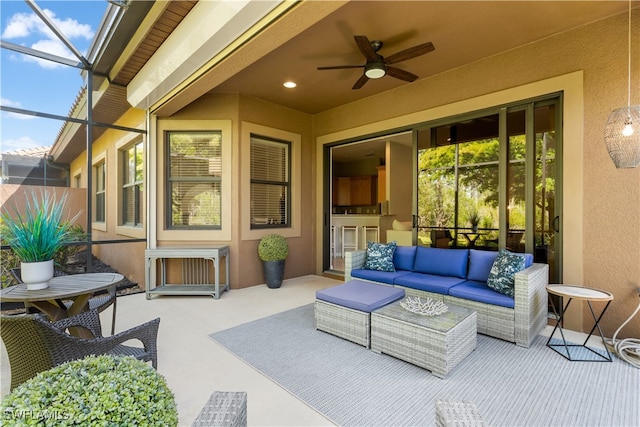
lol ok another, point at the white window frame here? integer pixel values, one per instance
(294, 229)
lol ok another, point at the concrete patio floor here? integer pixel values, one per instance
(195, 366)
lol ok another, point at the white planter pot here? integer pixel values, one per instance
(36, 275)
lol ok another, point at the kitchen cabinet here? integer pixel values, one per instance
(354, 190)
(342, 191)
(363, 190)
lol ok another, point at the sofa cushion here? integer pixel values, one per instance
(480, 263)
(428, 282)
(442, 262)
(387, 277)
(480, 292)
(506, 265)
(359, 295)
(404, 257)
(528, 260)
(380, 256)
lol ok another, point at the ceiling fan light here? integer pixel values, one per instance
(375, 70)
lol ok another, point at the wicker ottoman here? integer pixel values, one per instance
(437, 343)
(345, 310)
(224, 408)
(458, 413)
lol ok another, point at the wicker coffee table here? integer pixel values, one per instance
(437, 343)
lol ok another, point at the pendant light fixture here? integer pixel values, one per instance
(622, 131)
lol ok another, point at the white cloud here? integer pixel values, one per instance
(54, 47)
(9, 103)
(22, 25)
(22, 143)
(72, 28)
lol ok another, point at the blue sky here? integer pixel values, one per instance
(33, 84)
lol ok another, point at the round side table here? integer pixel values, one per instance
(571, 292)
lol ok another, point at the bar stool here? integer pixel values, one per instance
(373, 230)
(351, 244)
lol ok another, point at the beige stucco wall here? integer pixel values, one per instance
(399, 178)
(601, 221)
(245, 266)
(15, 196)
(127, 258)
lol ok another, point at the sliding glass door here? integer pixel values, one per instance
(490, 180)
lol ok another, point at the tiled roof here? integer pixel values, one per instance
(31, 152)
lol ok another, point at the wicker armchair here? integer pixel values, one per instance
(99, 302)
(34, 344)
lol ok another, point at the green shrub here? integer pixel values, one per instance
(8, 260)
(95, 391)
(62, 256)
(38, 233)
(273, 247)
(473, 216)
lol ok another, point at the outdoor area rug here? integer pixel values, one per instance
(510, 385)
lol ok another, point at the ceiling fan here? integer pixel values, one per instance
(378, 66)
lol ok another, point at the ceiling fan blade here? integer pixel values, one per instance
(365, 47)
(412, 52)
(401, 74)
(361, 81)
(340, 67)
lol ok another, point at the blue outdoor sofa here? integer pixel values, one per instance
(459, 277)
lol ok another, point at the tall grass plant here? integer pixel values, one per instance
(39, 232)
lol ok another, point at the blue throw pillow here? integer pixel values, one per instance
(502, 275)
(380, 256)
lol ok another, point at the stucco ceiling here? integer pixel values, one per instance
(462, 32)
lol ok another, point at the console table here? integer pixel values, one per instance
(199, 285)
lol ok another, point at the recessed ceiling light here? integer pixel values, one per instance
(289, 85)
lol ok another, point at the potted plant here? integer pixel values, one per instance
(273, 250)
(473, 216)
(96, 390)
(36, 235)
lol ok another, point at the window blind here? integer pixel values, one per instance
(270, 184)
(194, 179)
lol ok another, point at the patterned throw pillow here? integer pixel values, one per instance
(380, 256)
(501, 277)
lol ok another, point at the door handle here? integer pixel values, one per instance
(556, 224)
